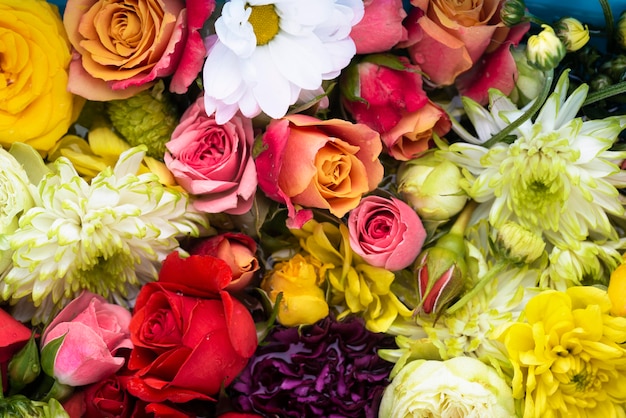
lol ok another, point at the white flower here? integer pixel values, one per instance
(107, 236)
(266, 53)
(459, 387)
(559, 174)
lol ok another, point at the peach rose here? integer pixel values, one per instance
(327, 164)
(123, 47)
(413, 133)
(446, 39)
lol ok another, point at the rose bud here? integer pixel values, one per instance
(81, 344)
(13, 336)
(24, 367)
(386, 232)
(238, 251)
(431, 187)
(530, 80)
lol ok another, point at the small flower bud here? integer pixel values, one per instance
(545, 50)
(24, 367)
(431, 187)
(519, 244)
(530, 80)
(599, 82)
(513, 12)
(615, 68)
(572, 33)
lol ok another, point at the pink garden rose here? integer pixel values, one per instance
(122, 47)
(384, 18)
(313, 163)
(447, 39)
(386, 232)
(93, 331)
(238, 250)
(214, 162)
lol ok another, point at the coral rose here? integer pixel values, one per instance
(326, 164)
(35, 106)
(214, 162)
(123, 47)
(446, 39)
(384, 17)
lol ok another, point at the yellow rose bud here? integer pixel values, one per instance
(545, 50)
(617, 290)
(35, 106)
(303, 300)
(572, 33)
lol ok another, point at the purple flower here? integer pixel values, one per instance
(328, 369)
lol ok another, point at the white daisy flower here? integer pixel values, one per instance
(107, 236)
(265, 53)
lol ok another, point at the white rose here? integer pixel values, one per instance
(459, 387)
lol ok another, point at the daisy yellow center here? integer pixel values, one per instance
(264, 21)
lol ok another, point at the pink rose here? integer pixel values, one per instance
(326, 164)
(238, 251)
(446, 39)
(384, 18)
(122, 47)
(214, 162)
(383, 93)
(92, 332)
(386, 232)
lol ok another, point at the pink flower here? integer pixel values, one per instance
(386, 232)
(326, 164)
(121, 48)
(92, 332)
(214, 162)
(384, 18)
(237, 250)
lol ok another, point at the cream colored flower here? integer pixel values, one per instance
(107, 236)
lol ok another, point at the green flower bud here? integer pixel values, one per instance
(519, 244)
(615, 68)
(147, 118)
(545, 50)
(19, 406)
(599, 82)
(24, 367)
(530, 80)
(431, 186)
(513, 12)
(572, 33)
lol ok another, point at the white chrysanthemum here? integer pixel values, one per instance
(558, 175)
(266, 52)
(107, 236)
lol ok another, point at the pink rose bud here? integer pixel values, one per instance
(79, 346)
(386, 232)
(238, 251)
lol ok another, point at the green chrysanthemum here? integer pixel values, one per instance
(107, 236)
(558, 178)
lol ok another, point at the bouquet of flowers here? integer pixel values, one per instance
(293, 208)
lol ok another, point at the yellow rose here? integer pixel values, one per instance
(35, 106)
(303, 300)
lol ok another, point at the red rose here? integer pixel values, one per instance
(190, 336)
(13, 336)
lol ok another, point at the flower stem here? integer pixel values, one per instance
(463, 219)
(534, 108)
(605, 93)
(608, 20)
(477, 288)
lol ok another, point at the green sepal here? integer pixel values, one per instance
(49, 355)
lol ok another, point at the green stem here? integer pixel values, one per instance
(534, 108)
(463, 219)
(477, 288)
(608, 21)
(605, 93)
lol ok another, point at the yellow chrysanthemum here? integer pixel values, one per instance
(569, 355)
(359, 287)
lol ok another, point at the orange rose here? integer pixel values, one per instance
(412, 134)
(326, 164)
